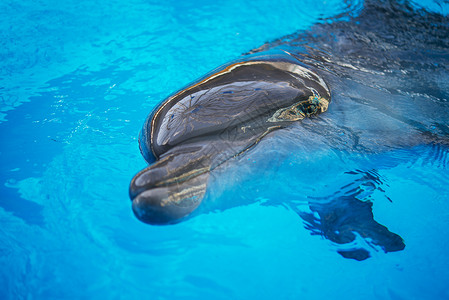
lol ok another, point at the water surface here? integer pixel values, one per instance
(77, 80)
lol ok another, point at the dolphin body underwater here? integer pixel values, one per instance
(368, 85)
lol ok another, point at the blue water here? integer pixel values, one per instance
(77, 80)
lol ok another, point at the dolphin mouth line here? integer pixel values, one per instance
(171, 181)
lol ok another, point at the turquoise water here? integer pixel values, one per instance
(77, 81)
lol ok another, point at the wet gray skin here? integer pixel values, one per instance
(216, 118)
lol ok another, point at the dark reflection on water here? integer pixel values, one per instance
(340, 218)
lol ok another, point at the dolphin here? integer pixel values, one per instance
(369, 84)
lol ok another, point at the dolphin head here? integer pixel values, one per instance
(220, 116)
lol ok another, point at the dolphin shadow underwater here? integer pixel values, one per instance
(361, 87)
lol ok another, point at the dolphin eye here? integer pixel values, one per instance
(310, 109)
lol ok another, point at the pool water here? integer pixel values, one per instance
(77, 80)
